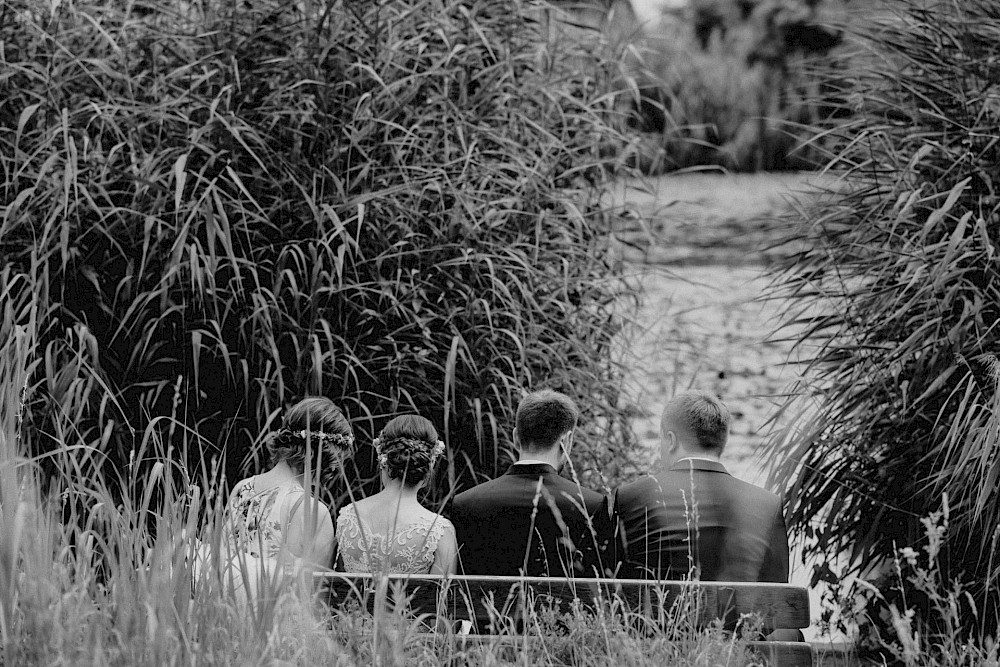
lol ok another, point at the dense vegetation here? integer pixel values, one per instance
(219, 208)
(896, 298)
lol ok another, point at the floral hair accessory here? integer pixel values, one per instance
(383, 459)
(438, 450)
(335, 439)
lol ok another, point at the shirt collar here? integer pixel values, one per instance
(531, 468)
(697, 458)
(689, 463)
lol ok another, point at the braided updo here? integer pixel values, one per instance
(315, 425)
(407, 448)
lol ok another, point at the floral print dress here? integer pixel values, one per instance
(256, 523)
(255, 528)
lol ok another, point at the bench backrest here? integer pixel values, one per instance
(487, 601)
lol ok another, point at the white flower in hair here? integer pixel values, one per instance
(438, 449)
(383, 459)
(336, 439)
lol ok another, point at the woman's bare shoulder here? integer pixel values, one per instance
(240, 486)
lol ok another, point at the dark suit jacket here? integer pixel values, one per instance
(698, 516)
(531, 520)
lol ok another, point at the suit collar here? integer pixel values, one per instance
(532, 469)
(684, 465)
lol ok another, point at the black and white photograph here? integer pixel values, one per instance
(536, 333)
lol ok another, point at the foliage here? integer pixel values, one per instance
(221, 208)
(896, 302)
(736, 84)
(928, 631)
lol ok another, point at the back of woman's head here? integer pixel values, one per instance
(313, 424)
(407, 448)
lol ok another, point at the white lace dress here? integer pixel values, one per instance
(409, 550)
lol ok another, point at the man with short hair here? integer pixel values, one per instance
(692, 517)
(530, 520)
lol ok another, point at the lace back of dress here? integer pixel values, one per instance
(410, 550)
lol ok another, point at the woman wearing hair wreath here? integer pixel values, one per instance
(273, 525)
(391, 532)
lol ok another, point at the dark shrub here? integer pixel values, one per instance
(231, 206)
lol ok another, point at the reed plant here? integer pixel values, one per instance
(895, 300)
(923, 624)
(219, 208)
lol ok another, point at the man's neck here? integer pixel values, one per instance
(552, 458)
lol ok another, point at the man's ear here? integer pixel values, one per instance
(566, 442)
(673, 442)
(517, 441)
(669, 445)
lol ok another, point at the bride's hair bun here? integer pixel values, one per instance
(407, 448)
(313, 424)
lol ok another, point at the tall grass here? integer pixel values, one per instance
(897, 297)
(923, 625)
(92, 573)
(220, 208)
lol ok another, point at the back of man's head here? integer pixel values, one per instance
(700, 420)
(542, 418)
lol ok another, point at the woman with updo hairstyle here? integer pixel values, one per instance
(274, 522)
(334, 438)
(391, 532)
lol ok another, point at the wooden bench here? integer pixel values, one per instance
(496, 606)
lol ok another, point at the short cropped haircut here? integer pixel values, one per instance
(703, 416)
(543, 417)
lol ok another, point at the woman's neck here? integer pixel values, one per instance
(394, 488)
(283, 472)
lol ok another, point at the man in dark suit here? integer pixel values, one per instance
(692, 518)
(530, 520)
